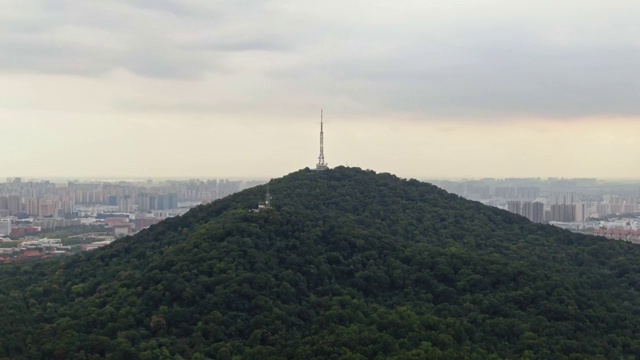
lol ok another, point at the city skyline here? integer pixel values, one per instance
(419, 89)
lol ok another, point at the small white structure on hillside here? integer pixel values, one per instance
(262, 206)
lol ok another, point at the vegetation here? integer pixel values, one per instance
(349, 265)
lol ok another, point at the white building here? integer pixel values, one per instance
(5, 227)
(582, 211)
(42, 243)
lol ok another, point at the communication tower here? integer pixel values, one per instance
(321, 165)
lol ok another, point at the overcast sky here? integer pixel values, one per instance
(420, 88)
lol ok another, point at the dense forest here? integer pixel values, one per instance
(349, 264)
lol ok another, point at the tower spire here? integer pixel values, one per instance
(321, 164)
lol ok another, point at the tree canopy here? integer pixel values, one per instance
(349, 264)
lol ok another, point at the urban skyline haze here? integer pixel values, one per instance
(424, 89)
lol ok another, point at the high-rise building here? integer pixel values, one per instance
(68, 207)
(162, 203)
(112, 200)
(505, 192)
(537, 212)
(563, 212)
(46, 209)
(14, 204)
(125, 204)
(153, 202)
(528, 193)
(514, 206)
(526, 210)
(143, 202)
(602, 210)
(5, 227)
(581, 211)
(32, 207)
(564, 198)
(172, 200)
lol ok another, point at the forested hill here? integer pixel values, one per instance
(348, 265)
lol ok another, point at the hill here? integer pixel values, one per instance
(348, 265)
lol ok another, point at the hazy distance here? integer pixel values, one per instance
(427, 89)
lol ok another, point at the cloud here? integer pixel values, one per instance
(255, 44)
(499, 66)
(172, 7)
(485, 78)
(175, 107)
(460, 59)
(158, 39)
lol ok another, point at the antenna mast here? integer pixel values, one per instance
(321, 164)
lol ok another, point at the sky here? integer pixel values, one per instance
(418, 88)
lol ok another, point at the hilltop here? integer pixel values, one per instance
(349, 264)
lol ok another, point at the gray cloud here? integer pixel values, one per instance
(513, 79)
(492, 71)
(442, 60)
(158, 39)
(179, 107)
(242, 45)
(172, 7)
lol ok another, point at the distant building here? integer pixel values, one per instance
(45, 209)
(534, 211)
(146, 202)
(32, 206)
(563, 212)
(123, 229)
(95, 245)
(514, 206)
(526, 210)
(125, 204)
(14, 204)
(172, 200)
(5, 227)
(162, 203)
(602, 210)
(264, 205)
(564, 198)
(153, 202)
(142, 202)
(142, 223)
(31, 255)
(537, 212)
(116, 220)
(581, 211)
(505, 192)
(20, 231)
(528, 193)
